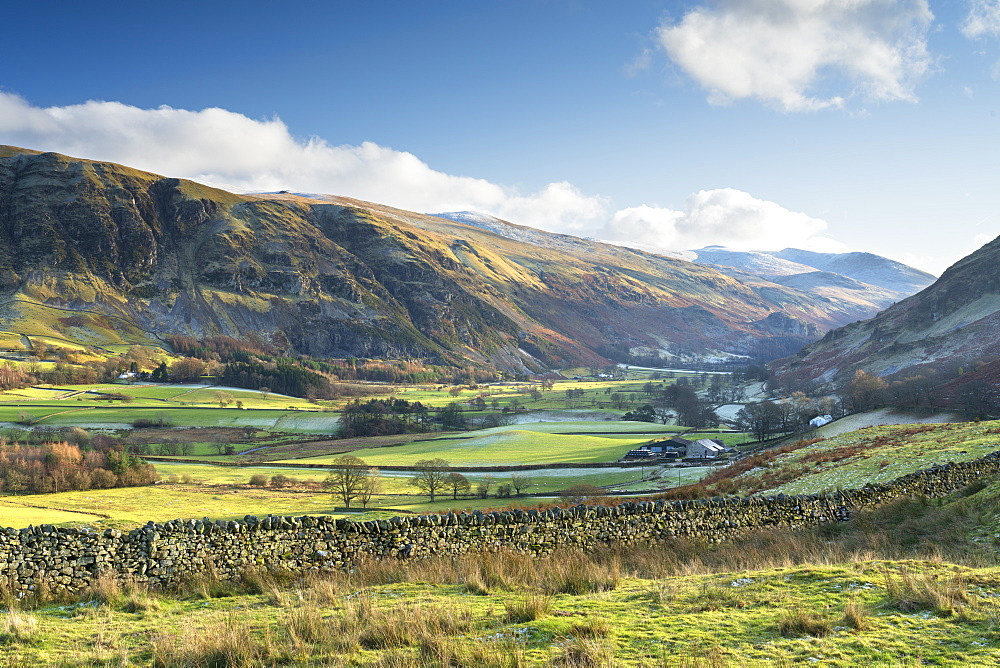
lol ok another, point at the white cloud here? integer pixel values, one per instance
(232, 151)
(229, 150)
(725, 217)
(983, 19)
(780, 51)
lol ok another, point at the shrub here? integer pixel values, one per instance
(280, 481)
(258, 480)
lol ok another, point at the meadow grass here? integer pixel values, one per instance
(510, 446)
(67, 415)
(582, 427)
(730, 438)
(11, 341)
(223, 492)
(134, 506)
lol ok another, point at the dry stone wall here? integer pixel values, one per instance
(162, 554)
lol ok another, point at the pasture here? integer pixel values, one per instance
(285, 432)
(510, 446)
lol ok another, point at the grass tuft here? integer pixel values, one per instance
(20, 627)
(575, 574)
(857, 615)
(226, 644)
(527, 609)
(798, 623)
(910, 592)
(586, 653)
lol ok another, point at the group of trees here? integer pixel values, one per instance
(766, 419)
(61, 466)
(282, 375)
(924, 389)
(678, 400)
(353, 480)
(379, 417)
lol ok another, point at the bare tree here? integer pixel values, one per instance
(219, 442)
(483, 488)
(371, 485)
(431, 476)
(458, 484)
(347, 481)
(520, 481)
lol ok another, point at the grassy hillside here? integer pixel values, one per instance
(875, 454)
(950, 324)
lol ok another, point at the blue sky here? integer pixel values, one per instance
(826, 124)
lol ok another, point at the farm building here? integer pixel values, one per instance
(674, 447)
(675, 444)
(706, 448)
(639, 453)
(819, 421)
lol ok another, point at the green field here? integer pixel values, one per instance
(585, 427)
(192, 417)
(134, 506)
(730, 438)
(511, 446)
(11, 341)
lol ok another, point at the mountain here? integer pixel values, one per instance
(863, 267)
(101, 254)
(760, 263)
(869, 282)
(952, 323)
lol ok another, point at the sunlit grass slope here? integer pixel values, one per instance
(511, 446)
(875, 454)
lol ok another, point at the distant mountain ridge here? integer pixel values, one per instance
(102, 254)
(952, 324)
(867, 281)
(864, 267)
(895, 279)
